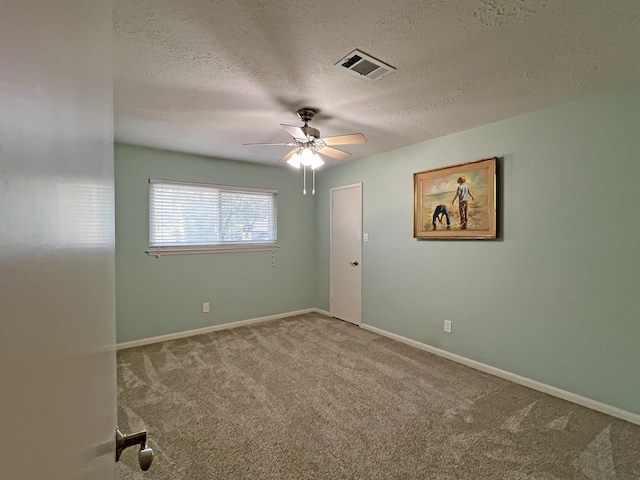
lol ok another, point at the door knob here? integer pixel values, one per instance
(354, 263)
(145, 455)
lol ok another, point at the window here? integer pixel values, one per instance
(203, 218)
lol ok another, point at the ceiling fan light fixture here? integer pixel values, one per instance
(317, 161)
(306, 156)
(294, 161)
(309, 158)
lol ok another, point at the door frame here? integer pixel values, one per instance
(331, 191)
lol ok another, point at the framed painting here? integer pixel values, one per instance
(456, 202)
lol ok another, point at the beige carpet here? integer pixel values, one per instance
(311, 397)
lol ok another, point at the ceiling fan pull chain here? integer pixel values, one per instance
(304, 179)
(313, 191)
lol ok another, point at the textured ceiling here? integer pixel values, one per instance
(206, 76)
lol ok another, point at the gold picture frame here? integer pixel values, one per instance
(456, 202)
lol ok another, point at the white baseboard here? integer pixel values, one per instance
(527, 382)
(213, 328)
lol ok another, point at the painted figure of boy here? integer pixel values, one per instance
(463, 194)
(438, 213)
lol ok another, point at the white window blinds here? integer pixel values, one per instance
(202, 218)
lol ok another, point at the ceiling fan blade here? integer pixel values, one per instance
(350, 139)
(334, 153)
(295, 132)
(284, 144)
(288, 156)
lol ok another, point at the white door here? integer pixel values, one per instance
(346, 253)
(57, 315)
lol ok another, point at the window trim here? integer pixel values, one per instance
(205, 249)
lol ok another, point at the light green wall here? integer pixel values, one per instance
(158, 296)
(556, 298)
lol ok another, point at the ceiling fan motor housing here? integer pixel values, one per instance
(310, 131)
(306, 114)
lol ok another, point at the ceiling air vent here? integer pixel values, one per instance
(364, 65)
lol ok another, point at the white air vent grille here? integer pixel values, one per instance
(364, 65)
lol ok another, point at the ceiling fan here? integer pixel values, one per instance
(307, 143)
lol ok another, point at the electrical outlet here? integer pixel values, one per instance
(447, 326)
(366, 237)
(205, 307)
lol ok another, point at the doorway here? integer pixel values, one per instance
(345, 264)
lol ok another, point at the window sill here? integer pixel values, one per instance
(163, 251)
